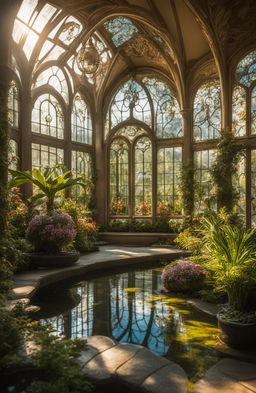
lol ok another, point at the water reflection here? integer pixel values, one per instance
(128, 308)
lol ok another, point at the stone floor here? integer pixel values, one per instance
(132, 364)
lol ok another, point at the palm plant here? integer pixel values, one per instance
(50, 182)
(232, 259)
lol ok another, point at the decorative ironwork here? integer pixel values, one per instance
(207, 111)
(130, 132)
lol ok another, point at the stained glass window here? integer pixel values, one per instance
(204, 190)
(239, 111)
(143, 177)
(169, 162)
(13, 105)
(81, 121)
(131, 101)
(121, 29)
(253, 111)
(119, 177)
(54, 77)
(81, 165)
(46, 156)
(168, 122)
(47, 117)
(207, 111)
(246, 69)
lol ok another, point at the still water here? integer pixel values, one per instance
(129, 307)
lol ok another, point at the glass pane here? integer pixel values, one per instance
(46, 156)
(239, 111)
(121, 29)
(239, 183)
(13, 105)
(81, 165)
(54, 77)
(143, 177)
(253, 187)
(253, 111)
(207, 112)
(81, 121)
(47, 116)
(119, 178)
(168, 121)
(246, 69)
(204, 188)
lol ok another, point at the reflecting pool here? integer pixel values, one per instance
(129, 307)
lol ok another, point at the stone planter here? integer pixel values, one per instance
(135, 238)
(237, 335)
(62, 259)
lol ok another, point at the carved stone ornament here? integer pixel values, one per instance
(141, 47)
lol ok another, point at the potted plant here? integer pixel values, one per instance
(232, 260)
(50, 234)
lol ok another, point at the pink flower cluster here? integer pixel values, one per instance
(182, 275)
(51, 231)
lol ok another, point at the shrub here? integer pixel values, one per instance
(86, 234)
(51, 232)
(183, 276)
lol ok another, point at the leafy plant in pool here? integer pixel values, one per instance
(232, 260)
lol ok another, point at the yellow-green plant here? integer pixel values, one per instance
(50, 181)
(232, 259)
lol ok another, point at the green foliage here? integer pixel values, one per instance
(187, 189)
(230, 314)
(134, 225)
(224, 169)
(232, 254)
(50, 181)
(56, 361)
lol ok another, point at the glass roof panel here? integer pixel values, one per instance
(26, 10)
(30, 43)
(122, 29)
(47, 46)
(20, 30)
(44, 17)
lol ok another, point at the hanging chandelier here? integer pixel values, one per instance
(88, 59)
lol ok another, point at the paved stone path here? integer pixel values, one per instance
(132, 365)
(25, 284)
(228, 376)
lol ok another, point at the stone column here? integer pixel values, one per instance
(101, 171)
(8, 9)
(188, 135)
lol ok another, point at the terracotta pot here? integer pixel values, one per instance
(61, 259)
(237, 335)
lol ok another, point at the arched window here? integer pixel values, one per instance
(81, 165)
(46, 156)
(81, 121)
(54, 77)
(13, 105)
(207, 111)
(47, 117)
(140, 179)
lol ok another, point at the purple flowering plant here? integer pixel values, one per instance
(183, 276)
(51, 232)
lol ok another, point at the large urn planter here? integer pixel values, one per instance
(237, 335)
(54, 260)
